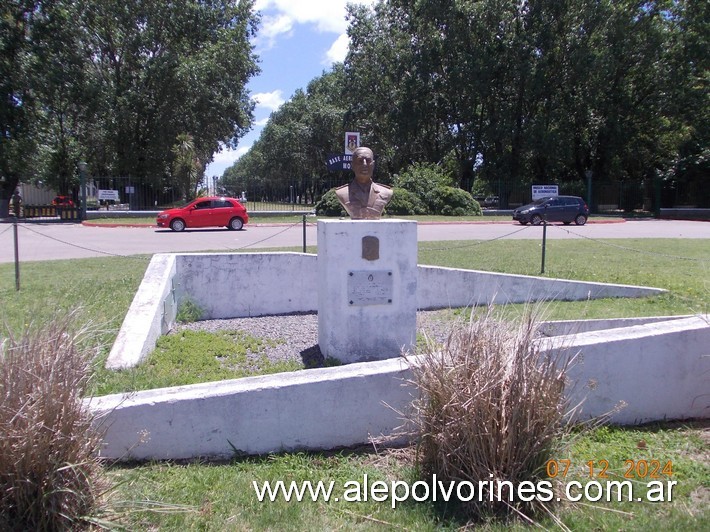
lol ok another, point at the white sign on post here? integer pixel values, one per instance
(544, 191)
(108, 195)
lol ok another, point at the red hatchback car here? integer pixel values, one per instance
(205, 212)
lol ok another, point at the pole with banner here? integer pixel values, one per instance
(352, 142)
(342, 161)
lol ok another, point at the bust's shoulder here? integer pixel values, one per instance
(383, 189)
(342, 193)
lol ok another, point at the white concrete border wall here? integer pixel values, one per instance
(234, 285)
(229, 285)
(567, 327)
(660, 370)
(309, 409)
(440, 287)
(151, 314)
(656, 370)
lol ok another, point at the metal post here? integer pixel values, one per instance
(657, 190)
(588, 175)
(17, 257)
(82, 180)
(304, 233)
(544, 240)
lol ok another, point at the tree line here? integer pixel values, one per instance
(145, 89)
(523, 92)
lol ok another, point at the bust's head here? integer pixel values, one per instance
(363, 164)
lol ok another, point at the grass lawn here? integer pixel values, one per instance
(210, 496)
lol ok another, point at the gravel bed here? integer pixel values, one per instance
(296, 335)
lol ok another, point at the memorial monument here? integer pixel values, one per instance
(362, 198)
(368, 271)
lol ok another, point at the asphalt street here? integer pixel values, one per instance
(50, 241)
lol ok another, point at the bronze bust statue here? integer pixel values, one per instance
(362, 198)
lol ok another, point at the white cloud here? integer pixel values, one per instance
(273, 27)
(228, 155)
(224, 159)
(269, 100)
(338, 50)
(326, 15)
(279, 18)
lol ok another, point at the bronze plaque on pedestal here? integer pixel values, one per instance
(370, 248)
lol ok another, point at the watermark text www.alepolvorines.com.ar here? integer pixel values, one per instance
(397, 491)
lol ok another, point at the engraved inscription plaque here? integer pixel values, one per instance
(370, 287)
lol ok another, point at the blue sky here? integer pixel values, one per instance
(297, 41)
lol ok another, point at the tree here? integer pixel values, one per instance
(509, 93)
(65, 93)
(17, 107)
(115, 82)
(187, 167)
(293, 147)
(166, 68)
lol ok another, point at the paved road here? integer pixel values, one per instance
(67, 241)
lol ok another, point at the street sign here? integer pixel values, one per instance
(544, 191)
(108, 195)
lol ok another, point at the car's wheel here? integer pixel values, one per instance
(236, 224)
(581, 219)
(177, 225)
(536, 219)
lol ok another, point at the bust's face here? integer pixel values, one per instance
(363, 165)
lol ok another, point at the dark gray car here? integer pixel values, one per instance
(565, 209)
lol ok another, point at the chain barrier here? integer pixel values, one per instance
(477, 242)
(445, 248)
(82, 247)
(143, 258)
(265, 239)
(9, 226)
(626, 248)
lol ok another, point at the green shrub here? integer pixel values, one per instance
(404, 203)
(50, 478)
(450, 201)
(329, 205)
(491, 407)
(188, 312)
(421, 178)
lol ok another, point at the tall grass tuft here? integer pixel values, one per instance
(50, 478)
(491, 409)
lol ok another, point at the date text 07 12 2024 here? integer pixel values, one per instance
(633, 469)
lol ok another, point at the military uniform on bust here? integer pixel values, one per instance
(362, 198)
(364, 203)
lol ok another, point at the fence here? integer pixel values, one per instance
(294, 196)
(299, 195)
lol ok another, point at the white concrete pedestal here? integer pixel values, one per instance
(367, 288)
